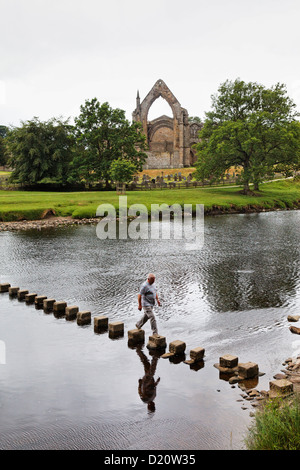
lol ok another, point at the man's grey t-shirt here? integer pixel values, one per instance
(148, 293)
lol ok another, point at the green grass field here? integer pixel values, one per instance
(30, 205)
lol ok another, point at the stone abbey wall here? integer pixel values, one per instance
(170, 139)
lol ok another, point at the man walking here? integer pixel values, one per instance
(146, 301)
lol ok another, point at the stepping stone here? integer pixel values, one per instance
(84, 318)
(295, 330)
(294, 318)
(30, 298)
(100, 323)
(167, 355)
(196, 355)
(248, 370)
(39, 301)
(156, 342)
(71, 312)
(48, 305)
(13, 291)
(4, 287)
(116, 329)
(280, 387)
(177, 347)
(136, 336)
(59, 308)
(21, 294)
(228, 361)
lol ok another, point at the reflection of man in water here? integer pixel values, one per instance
(146, 300)
(147, 385)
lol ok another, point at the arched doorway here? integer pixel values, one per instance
(164, 135)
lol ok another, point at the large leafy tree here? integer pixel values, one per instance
(249, 126)
(104, 135)
(40, 151)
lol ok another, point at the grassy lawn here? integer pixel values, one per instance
(30, 205)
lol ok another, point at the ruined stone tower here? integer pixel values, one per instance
(169, 139)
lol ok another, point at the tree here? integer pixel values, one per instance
(195, 119)
(122, 171)
(105, 135)
(288, 170)
(2, 152)
(40, 151)
(3, 131)
(249, 126)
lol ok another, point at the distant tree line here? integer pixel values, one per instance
(56, 152)
(249, 126)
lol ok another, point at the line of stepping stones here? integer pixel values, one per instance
(102, 324)
(228, 364)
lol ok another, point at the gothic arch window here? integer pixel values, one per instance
(174, 137)
(160, 89)
(159, 107)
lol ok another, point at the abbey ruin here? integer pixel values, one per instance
(170, 139)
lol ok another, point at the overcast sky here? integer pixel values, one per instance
(55, 54)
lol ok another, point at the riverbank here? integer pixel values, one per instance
(21, 206)
(55, 222)
(40, 224)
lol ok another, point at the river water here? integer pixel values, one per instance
(65, 387)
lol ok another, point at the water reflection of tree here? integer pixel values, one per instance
(147, 385)
(256, 266)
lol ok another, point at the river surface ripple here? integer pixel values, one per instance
(65, 387)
